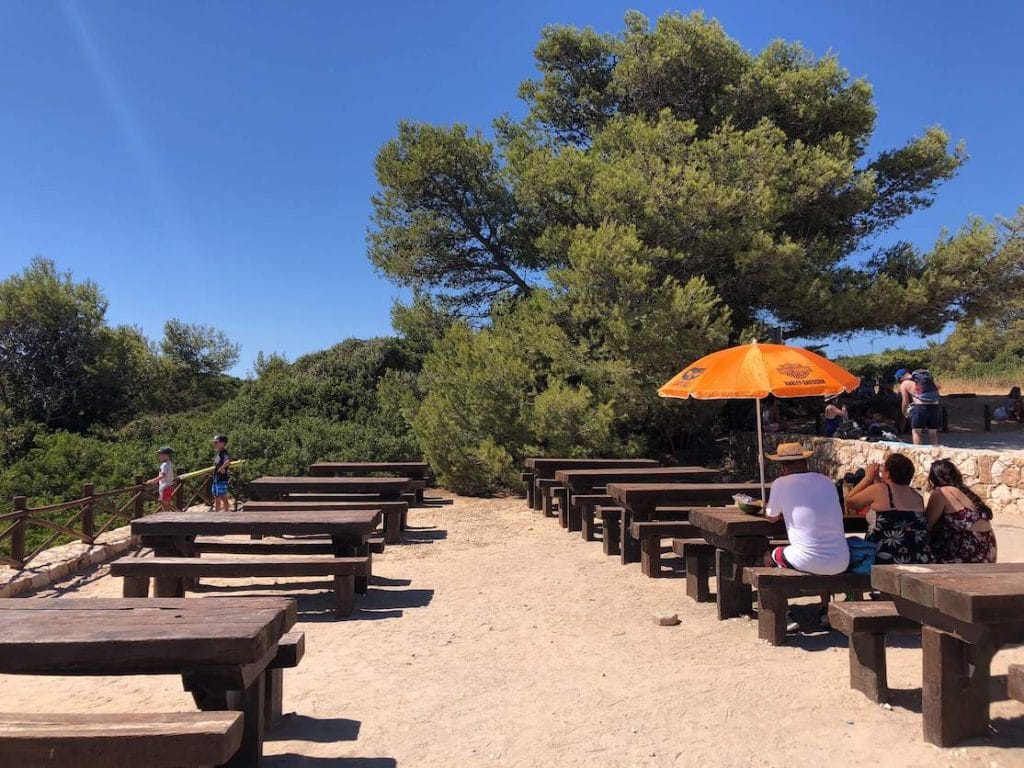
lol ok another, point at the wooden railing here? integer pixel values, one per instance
(88, 517)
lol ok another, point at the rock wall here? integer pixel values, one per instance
(996, 476)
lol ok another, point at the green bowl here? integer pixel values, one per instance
(752, 508)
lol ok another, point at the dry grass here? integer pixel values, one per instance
(981, 385)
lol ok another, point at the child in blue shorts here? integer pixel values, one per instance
(221, 462)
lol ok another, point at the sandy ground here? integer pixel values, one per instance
(493, 638)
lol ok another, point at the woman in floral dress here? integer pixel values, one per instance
(959, 521)
(900, 528)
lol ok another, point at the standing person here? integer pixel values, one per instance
(900, 529)
(959, 521)
(809, 504)
(834, 415)
(221, 463)
(919, 399)
(165, 479)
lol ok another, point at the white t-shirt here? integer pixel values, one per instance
(809, 504)
(167, 472)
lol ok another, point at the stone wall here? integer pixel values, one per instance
(997, 476)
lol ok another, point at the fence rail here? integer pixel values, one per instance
(92, 515)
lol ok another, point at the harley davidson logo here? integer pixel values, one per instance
(693, 373)
(795, 371)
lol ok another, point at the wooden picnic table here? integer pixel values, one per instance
(585, 481)
(172, 534)
(640, 502)
(741, 541)
(966, 612)
(416, 471)
(220, 646)
(544, 468)
(394, 512)
(277, 488)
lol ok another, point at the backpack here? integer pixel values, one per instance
(926, 391)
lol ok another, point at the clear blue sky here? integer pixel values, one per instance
(213, 160)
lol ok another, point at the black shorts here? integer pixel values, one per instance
(925, 417)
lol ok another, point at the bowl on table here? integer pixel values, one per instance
(748, 505)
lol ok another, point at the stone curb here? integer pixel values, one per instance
(58, 563)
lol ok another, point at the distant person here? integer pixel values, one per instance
(896, 517)
(221, 463)
(919, 400)
(959, 521)
(771, 415)
(1012, 408)
(808, 502)
(834, 415)
(165, 479)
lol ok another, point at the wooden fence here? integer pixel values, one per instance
(88, 517)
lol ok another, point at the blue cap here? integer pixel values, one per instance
(900, 374)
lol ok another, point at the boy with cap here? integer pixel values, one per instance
(221, 462)
(165, 479)
(809, 504)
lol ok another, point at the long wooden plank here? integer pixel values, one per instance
(102, 740)
(642, 498)
(307, 506)
(586, 479)
(415, 470)
(351, 522)
(212, 605)
(914, 581)
(329, 485)
(730, 522)
(545, 467)
(240, 567)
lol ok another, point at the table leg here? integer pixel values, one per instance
(392, 526)
(733, 596)
(629, 548)
(574, 516)
(955, 687)
(211, 696)
(562, 497)
(538, 497)
(349, 548)
(587, 527)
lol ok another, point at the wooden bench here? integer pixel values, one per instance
(611, 518)
(776, 585)
(866, 624)
(699, 557)
(1015, 682)
(650, 534)
(271, 547)
(290, 650)
(170, 573)
(586, 505)
(543, 487)
(178, 740)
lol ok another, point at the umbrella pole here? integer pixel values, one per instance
(760, 450)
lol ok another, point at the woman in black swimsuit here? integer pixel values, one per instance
(900, 527)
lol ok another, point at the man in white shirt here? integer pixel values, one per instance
(809, 504)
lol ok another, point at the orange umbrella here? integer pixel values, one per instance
(755, 371)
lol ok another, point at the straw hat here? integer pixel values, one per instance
(789, 452)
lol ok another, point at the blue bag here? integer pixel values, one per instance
(862, 555)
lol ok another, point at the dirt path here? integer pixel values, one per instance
(496, 639)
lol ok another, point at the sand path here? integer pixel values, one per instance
(496, 639)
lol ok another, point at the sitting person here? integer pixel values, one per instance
(959, 521)
(834, 415)
(899, 529)
(1012, 408)
(809, 504)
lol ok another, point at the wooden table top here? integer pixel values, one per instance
(118, 636)
(322, 468)
(731, 522)
(981, 593)
(548, 466)
(328, 522)
(636, 474)
(306, 506)
(649, 495)
(330, 484)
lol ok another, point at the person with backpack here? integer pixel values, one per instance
(919, 396)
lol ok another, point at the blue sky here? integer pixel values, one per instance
(213, 160)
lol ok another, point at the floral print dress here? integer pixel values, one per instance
(900, 536)
(955, 541)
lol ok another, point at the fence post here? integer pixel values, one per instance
(179, 495)
(139, 505)
(88, 525)
(18, 532)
